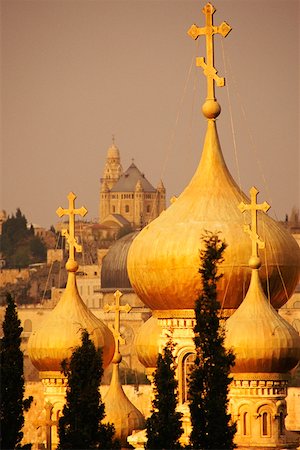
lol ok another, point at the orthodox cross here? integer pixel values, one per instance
(252, 230)
(70, 235)
(116, 329)
(209, 30)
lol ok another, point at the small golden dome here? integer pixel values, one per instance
(146, 343)
(261, 339)
(163, 259)
(120, 411)
(113, 152)
(60, 332)
(161, 186)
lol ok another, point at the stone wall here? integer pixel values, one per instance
(12, 276)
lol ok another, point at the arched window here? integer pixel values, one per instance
(127, 208)
(148, 208)
(113, 208)
(245, 424)
(265, 420)
(187, 366)
(281, 423)
(27, 326)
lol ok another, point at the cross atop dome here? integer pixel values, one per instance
(257, 242)
(211, 109)
(71, 265)
(116, 330)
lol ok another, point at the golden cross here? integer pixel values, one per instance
(117, 308)
(252, 231)
(209, 30)
(70, 235)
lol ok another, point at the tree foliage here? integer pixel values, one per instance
(19, 245)
(209, 381)
(80, 426)
(164, 427)
(12, 399)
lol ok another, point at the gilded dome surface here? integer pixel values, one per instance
(261, 339)
(114, 266)
(163, 260)
(120, 411)
(60, 332)
(147, 342)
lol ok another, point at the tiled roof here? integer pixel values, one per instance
(129, 179)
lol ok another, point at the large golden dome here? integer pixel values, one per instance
(163, 259)
(60, 332)
(261, 339)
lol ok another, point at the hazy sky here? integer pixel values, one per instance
(74, 72)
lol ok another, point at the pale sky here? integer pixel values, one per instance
(74, 72)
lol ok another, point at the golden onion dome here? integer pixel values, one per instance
(120, 411)
(163, 259)
(261, 339)
(60, 333)
(147, 343)
(118, 408)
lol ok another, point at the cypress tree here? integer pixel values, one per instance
(209, 381)
(164, 427)
(18, 244)
(80, 426)
(12, 399)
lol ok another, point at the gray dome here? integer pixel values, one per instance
(114, 265)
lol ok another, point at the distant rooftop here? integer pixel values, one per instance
(129, 179)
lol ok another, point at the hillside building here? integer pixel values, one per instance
(128, 199)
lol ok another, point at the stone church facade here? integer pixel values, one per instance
(128, 198)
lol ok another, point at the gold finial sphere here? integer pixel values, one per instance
(254, 262)
(117, 358)
(211, 109)
(71, 265)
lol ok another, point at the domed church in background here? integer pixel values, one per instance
(127, 198)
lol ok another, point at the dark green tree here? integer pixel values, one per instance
(164, 426)
(18, 244)
(210, 379)
(38, 250)
(12, 399)
(80, 426)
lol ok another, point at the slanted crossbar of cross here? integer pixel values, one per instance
(209, 31)
(254, 207)
(118, 309)
(70, 234)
